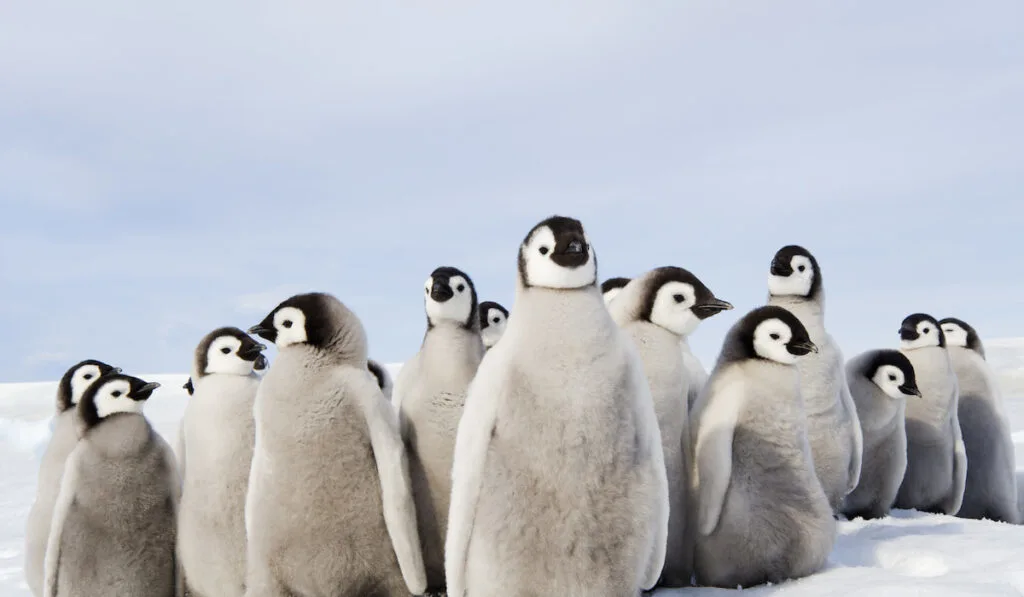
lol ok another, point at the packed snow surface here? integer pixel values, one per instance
(908, 554)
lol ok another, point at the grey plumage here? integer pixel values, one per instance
(936, 459)
(429, 394)
(559, 484)
(760, 514)
(114, 522)
(329, 511)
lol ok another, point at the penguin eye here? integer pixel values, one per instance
(926, 330)
(116, 393)
(892, 377)
(800, 268)
(460, 287)
(678, 298)
(496, 319)
(87, 376)
(544, 250)
(226, 350)
(774, 336)
(287, 323)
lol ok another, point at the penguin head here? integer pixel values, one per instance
(959, 333)
(893, 373)
(317, 320)
(113, 394)
(188, 387)
(227, 351)
(774, 334)
(794, 272)
(675, 299)
(919, 331)
(556, 254)
(611, 287)
(449, 295)
(493, 319)
(378, 372)
(77, 380)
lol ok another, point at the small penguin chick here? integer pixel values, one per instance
(493, 319)
(920, 330)
(557, 255)
(958, 332)
(450, 296)
(770, 333)
(77, 380)
(669, 297)
(228, 351)
(893, 373)
(611, 287)
(794, 272)
(113, 394)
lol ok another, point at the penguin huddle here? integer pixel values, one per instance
(570, 446)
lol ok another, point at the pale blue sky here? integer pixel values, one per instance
(168, 168)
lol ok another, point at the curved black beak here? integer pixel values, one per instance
(781, 269)
(801, 348)
(249, 352)
(570, 251)
(441, 291)
(143, 392)
(909, 333)
(910, 390)
(264, 329)
(115, 369)
(188, 387)
(261, 363)
(710, 307)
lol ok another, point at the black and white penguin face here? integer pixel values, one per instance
(301, 319)
(493, 319)
(794, 272)
(678, 301)
(612, 287)
(557, 254)
(450, 296)
(774, 334)
(958, 332)
(114, 393)
(897, 380)
(921, 330)
(77, 380)
(228, 351)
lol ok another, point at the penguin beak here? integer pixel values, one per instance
(909, 333)
(781, 269)
(570, 251)
(910, 390)
(711, 307)
(249, 353)
(115, 370)
(258, 329)
(441, 291)
(802, 348)
(144, 392)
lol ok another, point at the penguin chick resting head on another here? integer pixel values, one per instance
(959, 333)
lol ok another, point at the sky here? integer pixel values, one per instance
(170, 168)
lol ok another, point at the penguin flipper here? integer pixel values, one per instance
(65, 497)
(713, 453)
(857, 454)
(956, 498)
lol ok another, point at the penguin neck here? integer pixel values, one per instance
(449, 343)
(810, 312)
(560, 311)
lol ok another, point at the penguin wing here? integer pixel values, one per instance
(65, 497)
(395, 484)
(713, 451)
(179, 450)
(956, 497)
(857, 453)
(472, 440)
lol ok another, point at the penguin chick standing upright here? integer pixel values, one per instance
(72, 386)
(881, 382)
(991, 487)
(114, 521)
(493, 319)
(833, 429)
(218, 429)
(657, 310)
(936, 458)
(558, 484)
(430, 393)
(761, 514)
(611, 287)
(329, 510)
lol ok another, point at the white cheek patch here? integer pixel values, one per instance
(674, 316)
(458, 308)
(923, 339)
(891, 388)
(79, 384)
(793, 285)
(770, 348)
(955, 335)
(107, 404)
(287, 336)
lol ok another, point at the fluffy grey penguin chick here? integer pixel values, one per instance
(218, 430)
(493, 319)
(881, 382)
(381, 377)
(833, 429)
(559, 484)
(657, 310)
(430, 393)
(611, 287)
(329, 510)
(991, 486)
(114, 520)
(936, 458)
(72, 386)
(761, 514)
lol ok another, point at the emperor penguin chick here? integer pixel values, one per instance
(657, 310)
(72, 386)
(493, 319)
(881, 382)
(761, 514)
(936, 458)
(430, 393)
(218, 429)
(381, 376)
(329, 510)
(558, 484)
(114, 521)
(833, 429)
(611, 288)
(991, 487)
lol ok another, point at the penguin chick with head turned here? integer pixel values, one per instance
(493, 319)
(329, 510)
(72, 386)
(218, 429)
(795, 283)
(936, 458)
(657, 311)
(381, 377)
(558, 484)
(760, 515)
(881, 382)
(611, 287)
(430, 393)
(114, 521)
(991, 486)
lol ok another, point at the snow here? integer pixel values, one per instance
(906, 554)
